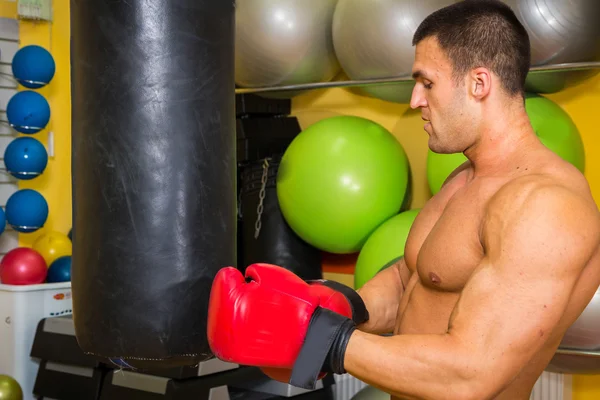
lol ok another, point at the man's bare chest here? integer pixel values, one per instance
(446, 248)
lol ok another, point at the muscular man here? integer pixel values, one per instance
(497, 266)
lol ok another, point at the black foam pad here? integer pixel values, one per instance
(252, 105)
(261, 137)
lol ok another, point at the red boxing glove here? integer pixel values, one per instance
(262, 321)
(274, 319)
(335, 297)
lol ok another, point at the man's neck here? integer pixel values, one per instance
(503, 144)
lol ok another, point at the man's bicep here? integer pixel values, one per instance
(519, 292)
(507, 316)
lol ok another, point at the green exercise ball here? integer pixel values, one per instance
(384, 247)
(440, 166)
(10, 388)
(340, 179)
(554, 127)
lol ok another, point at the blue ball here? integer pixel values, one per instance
(2, 220)
(28, 112)
(25, 158)
(33, 66)
(26, 210)
(60, 270)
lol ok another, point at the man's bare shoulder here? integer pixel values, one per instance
(544, 201)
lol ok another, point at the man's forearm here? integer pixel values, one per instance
(382, 296)
(414, 366)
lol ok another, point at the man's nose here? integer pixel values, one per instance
(417, 99)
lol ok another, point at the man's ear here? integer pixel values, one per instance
(480, 83)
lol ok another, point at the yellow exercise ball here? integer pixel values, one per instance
(10, 388)
(53, 245)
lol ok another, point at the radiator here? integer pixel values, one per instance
(346, 386)
(550, 386)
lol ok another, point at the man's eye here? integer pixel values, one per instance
(428, 85)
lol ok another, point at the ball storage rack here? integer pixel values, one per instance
(544, 79)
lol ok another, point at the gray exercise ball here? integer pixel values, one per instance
(373, 39)
(284, 42)
(560, 31)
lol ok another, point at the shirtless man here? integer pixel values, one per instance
(497, 265)
(505, 257)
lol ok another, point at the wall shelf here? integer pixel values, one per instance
(579, 353)
(541, 79)
(572, 361)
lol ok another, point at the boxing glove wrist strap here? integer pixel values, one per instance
(360, 314)
(324, 348)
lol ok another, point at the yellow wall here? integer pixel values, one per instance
(8, 9)
(580, 102)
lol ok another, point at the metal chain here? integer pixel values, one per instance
(261, 197)
(240, 204)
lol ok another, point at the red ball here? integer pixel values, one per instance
(23, 266)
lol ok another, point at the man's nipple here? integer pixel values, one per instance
(435, 279)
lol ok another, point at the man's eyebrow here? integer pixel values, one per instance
(419, 74)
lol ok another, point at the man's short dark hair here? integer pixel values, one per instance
(481, 33)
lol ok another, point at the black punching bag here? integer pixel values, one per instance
(154, 175)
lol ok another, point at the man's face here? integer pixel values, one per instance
(443, 103)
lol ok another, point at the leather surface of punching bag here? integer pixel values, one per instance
(154, 175)
(266, 236)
